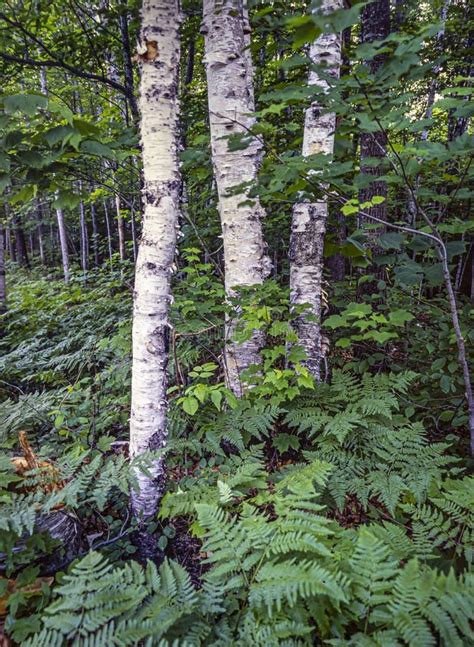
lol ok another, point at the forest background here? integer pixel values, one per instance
(272, 205)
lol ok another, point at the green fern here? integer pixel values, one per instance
(101, 605)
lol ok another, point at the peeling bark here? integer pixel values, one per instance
(159, 109)
(230, 95)
(309, 219)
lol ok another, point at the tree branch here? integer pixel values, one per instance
(65, 66)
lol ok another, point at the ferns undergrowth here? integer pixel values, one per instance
(328, 518)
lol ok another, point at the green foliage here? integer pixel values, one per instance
(337, 513)
(102, 605)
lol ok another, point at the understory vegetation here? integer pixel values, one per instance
(342, 510)
(236, 287)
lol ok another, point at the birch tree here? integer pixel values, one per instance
(159, 52)
(309, 218)
(63, 243)
(230, 96)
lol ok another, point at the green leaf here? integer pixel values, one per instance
(26, 103)
(190, 405)
(25, 194)
(216, 398)
(344, 342)
(66, 199)
(399, 317)
(391, 240)
(92, 147)
(336, 321)
(380, 336)
(284, 441)
(358, 310)
(434, 274)
(4, 162)
(5, 181)
(445, 383)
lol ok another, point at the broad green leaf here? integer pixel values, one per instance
(26, 103)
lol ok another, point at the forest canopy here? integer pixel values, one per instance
(236, 297)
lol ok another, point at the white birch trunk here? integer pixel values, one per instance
(309, 219)
(120, 227)
(84, 238)
(159, 107)
(109, 235)
(230, 96)
(63, 243)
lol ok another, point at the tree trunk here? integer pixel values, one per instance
(20, 244)
(134, 232)
(3, 289)
(159, 52)
(309, 219)
(109, 234)
(127, 62)
(95, 235)
(336, 263)
(63, 243)
(120, 227)
(436, 70)
(375, 25)
(10, 246)
(84, 239)
(40, 230)
(230, 96)
(188, 78)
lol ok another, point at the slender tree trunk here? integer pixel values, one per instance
(230, 96)
(109, 235)
(63, 243)
(20, 244)
(84, 239)
(134, 233)
(120, 227)
(127, 62)
(40, 230)
(436, 70)
(309, 219)
(95, 236)
(375, 25)
(31, 240)
(10, 246)
(3, 287)
(159, 52)
(190, 62)
(336, 263)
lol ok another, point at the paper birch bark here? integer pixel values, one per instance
(230, 96)
(309, 218)
(159, 53)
